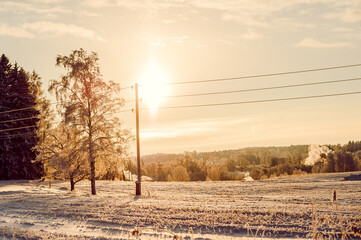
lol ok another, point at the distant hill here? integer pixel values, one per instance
(252, 154)
(259, 162)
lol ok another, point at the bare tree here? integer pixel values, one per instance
(63, 154)
(88, 103)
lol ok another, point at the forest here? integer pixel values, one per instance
(259, 162)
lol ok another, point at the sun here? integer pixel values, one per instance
(153, 86)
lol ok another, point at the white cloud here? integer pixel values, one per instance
(198, 127)
(256, 13)
(168, 21)
(135, 4)
(46, 1)
(164, 42)
(181, 39)
(342, 30)
(252, 13)
(22, 8)
(98, 3)
(245, 20)
(30, 30)
(225, 41)
(41, 9)
(312, 43)
(157, 43)
(351, 14)
(251, 35)
(15, 31)
(60, 29)
(347, 11)
(288, 22)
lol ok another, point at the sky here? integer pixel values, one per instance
(168, 41)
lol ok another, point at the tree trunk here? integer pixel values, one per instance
(72, 184)
(92, 165)
(91, 157)
(92, 176)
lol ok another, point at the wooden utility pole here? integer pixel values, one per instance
(138, 190)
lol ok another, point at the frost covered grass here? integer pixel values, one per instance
(291, 207)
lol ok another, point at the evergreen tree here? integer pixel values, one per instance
(330, 162)
(17, 137)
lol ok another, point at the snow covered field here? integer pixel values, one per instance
(291, 207)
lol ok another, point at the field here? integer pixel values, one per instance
(290, 207)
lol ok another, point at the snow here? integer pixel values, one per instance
(269, 209)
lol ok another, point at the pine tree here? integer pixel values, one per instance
(17, 137)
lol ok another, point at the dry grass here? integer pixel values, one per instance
(137, 232)
(269, 209)
(333, 227)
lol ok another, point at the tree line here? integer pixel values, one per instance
(259, 162)
(19, 90)
(342, 158)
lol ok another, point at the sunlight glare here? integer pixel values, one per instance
(152, 85)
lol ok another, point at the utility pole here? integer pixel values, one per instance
(138, 190)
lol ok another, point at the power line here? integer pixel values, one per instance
(225, 79)
(124, 88)
(19, 119)
(121, 89)
(127, 110)
(259, 101)
(129, 101)
(51, 103)
(122, 111)
(24, 134)
(15, 110)
(11, 129)
(266, 75)
(265, 88)
(18, 135)
(22, 119)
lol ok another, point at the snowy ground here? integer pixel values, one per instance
(292, 207)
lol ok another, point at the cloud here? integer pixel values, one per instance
(164, 42)
(312, 43)
(46, 1)
(226, 41)
(15, 31)
(168, 21)
(342, 30)
(157, 43)
(347, 11)
(30, 30)
(199, 127)
(134, 4)
(255, 13)
(22, 8)
(251, 35)
(351, 15)
(41, 9)
(288, 22)
(181, 39)
(61, 29)
(99, 3)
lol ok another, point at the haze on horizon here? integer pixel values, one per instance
(165, 41)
